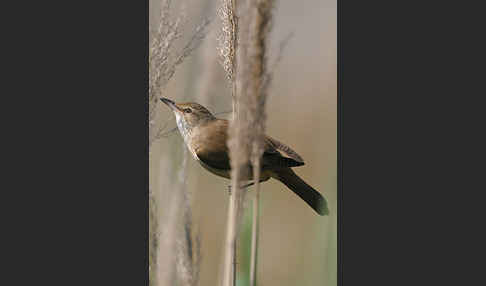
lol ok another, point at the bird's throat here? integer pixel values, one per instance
(185, 131)
(183, 127)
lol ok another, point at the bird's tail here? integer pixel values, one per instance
(312, 197)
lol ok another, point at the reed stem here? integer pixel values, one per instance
(255, 230)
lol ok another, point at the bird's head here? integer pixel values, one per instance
(188, 115)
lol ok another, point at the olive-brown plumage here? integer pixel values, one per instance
(206, 137)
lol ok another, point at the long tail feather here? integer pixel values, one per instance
(312, 197)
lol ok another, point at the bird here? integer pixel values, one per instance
(205, 136)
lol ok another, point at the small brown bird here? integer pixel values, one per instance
(206, 136)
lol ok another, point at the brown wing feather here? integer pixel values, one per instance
(284, 148)
(213, 151)
(211, 147)
(273, 159)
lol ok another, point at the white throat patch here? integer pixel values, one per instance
(184, 130)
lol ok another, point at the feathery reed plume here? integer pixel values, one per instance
(153, 231)
(246, 134)
(271, 67)
(229, 44)
(163, 60)
(170, 233)
(160, 66)
(188, 252)
(178, 253)
(227, 50)
(163, 235)
(261, 12)
(227, 38)
(209, 75)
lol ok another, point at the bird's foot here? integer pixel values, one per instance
(248, 185)
(243, 187)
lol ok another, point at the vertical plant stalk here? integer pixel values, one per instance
(188, 254)
(227, 51)
(169, 235)
(153, 231)
(245, 66)
(261, 17)
(255, 230)
(165, 214)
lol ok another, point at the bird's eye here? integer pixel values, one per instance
(187, 110)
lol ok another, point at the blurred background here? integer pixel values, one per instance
(297, 247)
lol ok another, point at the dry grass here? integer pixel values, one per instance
(164, 59)
(260, 81)
(174, 252)
(227, 38)
(188, 248)
(243, 49)
(227, 49)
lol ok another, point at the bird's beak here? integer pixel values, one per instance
(169, 103)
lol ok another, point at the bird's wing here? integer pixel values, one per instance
(272, 158)
(216, 160)
(212, 149)
(271, 143)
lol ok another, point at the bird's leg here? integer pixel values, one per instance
(243, 187)
(246, 186)
(229, 190)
